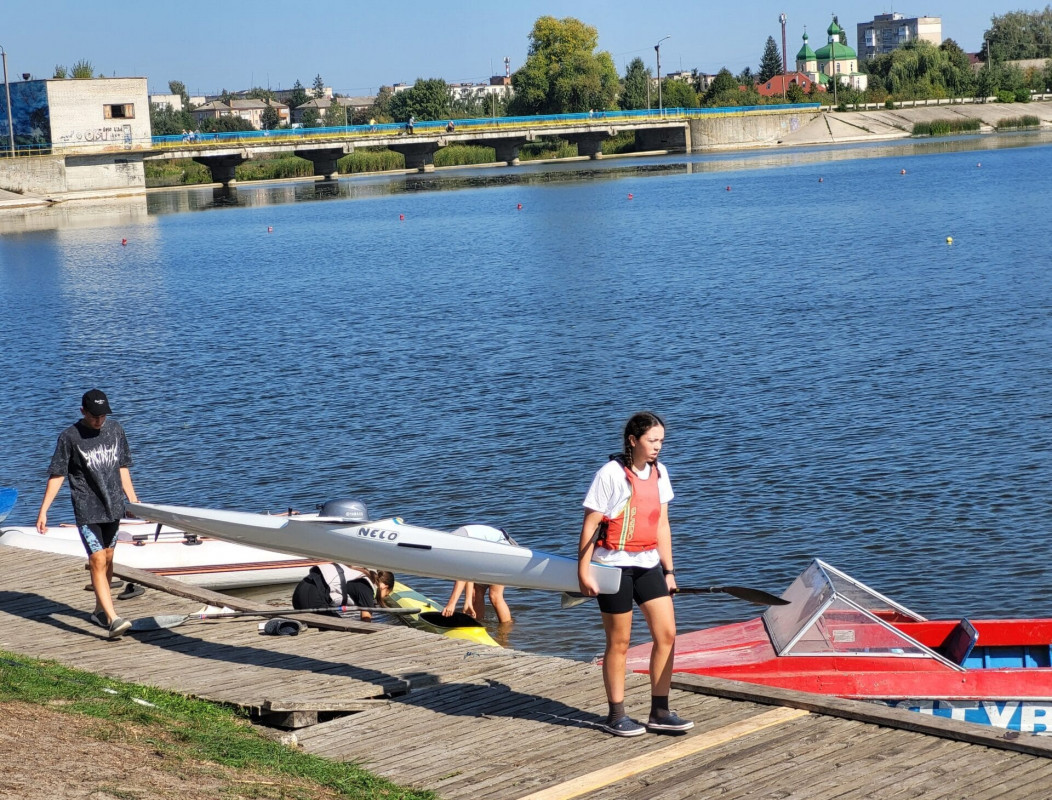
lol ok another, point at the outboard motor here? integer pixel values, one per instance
(351, 510)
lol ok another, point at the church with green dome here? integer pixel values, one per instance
(833, 61)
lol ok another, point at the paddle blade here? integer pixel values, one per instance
(7, 502)
(757, 596)
(158, 623)
(571, 599)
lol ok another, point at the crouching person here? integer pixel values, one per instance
(334, 585)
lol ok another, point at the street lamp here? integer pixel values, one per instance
(657, 49)
(7, 92)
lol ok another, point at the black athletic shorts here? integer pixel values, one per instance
(96, 536)
(637, 583)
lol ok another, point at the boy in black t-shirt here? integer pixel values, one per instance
(93, 453)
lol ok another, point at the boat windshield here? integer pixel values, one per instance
(830, 613)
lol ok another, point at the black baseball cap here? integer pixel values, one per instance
(95, 403)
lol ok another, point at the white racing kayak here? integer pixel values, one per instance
(386, 544)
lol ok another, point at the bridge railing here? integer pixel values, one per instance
(460, 126)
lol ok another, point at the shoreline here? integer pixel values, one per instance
(824, 128)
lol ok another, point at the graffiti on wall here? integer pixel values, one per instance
(114, 133)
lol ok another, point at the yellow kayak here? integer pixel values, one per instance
(457, 626)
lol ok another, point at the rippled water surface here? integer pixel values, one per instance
(839, 381)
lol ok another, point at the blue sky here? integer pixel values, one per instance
(358, 46)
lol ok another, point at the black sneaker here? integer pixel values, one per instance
(626, 726)
(672, 722)
(98, 617)
(118, 627)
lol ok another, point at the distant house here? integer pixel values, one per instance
(322, 106)
(252, 109)
(779, 84)
(213, 109)
(888, 32)
(173, 101)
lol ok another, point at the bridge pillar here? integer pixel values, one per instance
(507, 150)
(419, 155)
(222, 167)
(324, 161)
(589, 144)
(674, 139)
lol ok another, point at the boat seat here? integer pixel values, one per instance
(959, 642)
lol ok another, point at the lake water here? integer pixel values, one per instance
(838, 380)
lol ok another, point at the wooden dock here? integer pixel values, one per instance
(469, 721)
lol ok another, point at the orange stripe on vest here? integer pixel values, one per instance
(635, 529)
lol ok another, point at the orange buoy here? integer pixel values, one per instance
(124, 242)
(629, 195)
(519, 206)
(728, 188)
(401, 217)
(270, 229)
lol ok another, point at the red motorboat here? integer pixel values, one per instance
(836, 636)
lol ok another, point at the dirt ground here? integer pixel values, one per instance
(48, 755)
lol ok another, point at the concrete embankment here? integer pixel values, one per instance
(834, 127)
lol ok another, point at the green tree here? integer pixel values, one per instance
(310, 118)
(770, 62)
(794, 94)
(746, 78)
(166, 121)
(60, 72)
(678, 94)
(179, 88)
(259, 93)
(318, 89)
(269, 119)
(429, 99)
(563, 73)
(723, 91)
(298, 96)
(635, 92)
(381, 110)
(336, 116)
(1021, 34)
(82, 70)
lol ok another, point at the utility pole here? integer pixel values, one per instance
(657, 49)
(7, 91)
(785, 63)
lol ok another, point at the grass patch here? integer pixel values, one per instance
(459, 155)
(1018, 123)
(548, 147)
(371, 159)
(179, 172)
(188, 731)
(624, 142)
(945, 127)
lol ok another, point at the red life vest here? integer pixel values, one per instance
(636, 528)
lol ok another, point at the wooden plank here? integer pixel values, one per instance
(688, 746)
(867, 712)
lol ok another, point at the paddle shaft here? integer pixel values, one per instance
(284, 612)
(758, 596)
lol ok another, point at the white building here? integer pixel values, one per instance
(887, 32)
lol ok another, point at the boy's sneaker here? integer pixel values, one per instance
(98, 617)
(672, 722)
(625, 726)
(118, 627)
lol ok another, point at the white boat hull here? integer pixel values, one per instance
(387, 544)
(198, 560)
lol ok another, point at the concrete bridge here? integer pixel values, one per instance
(83, 170)
(223, 153)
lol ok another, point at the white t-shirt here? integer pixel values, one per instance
(609, 493)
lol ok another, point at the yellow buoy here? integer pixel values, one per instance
(949, 240)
